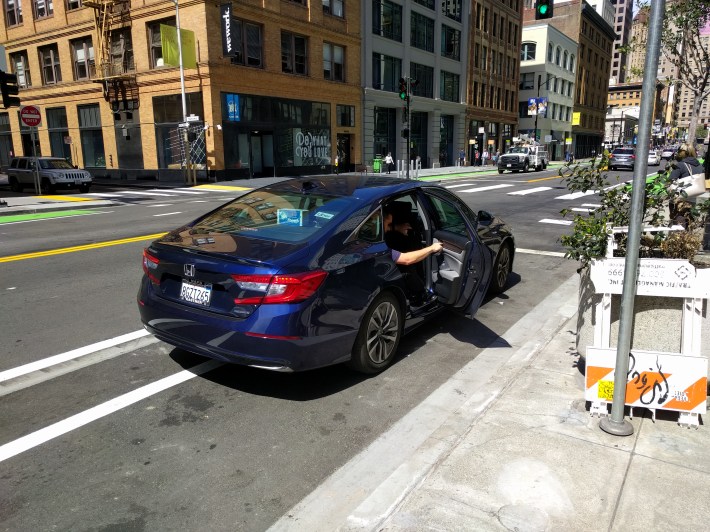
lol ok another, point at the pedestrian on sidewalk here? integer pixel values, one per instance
(462, 157)
(389, 161)
(484, 157)
(478, 158)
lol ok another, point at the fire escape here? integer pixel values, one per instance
(115, 68)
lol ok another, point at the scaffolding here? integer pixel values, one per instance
(114, 67)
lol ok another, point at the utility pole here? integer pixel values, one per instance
(406, 84)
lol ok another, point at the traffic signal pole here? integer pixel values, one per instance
(409, 129)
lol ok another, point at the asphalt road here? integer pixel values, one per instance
(125, 439)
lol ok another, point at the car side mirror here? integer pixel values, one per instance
(485, 217)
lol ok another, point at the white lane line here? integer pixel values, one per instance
(70, 355)
(160, 205)
(199, 201)
(168, 213)
(537, 252)
(103, 195)
(41, 436)
(591, 205)
(579, 209)
(144, 193)
(528, 191)
(558, 222)
(459, 186)
(481, 189)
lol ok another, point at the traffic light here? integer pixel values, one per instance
(9, 87)
(403, 89)
(543, 9)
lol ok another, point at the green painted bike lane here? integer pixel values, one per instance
(15, 218)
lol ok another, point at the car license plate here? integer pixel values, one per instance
(509, 165)
(196, 293)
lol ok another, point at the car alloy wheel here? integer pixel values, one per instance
(379, 335)
(501, 270)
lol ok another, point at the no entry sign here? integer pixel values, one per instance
(30, 116)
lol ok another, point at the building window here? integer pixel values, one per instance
(484, 58)
(156, 46)
(452, 9)
(571, 63)
(83, 57)
(550, 52)
(58, 129)
(527, 81)
(387, 19)
(523, 109)
(74, 4)
(13, 12)
(565, 63)
(527, 51)
(20, 67)
(333, 62)
(449, 86)
(294, 59)
(345, 115)
(386, 72)
(425, 3)
(422, 34)
(248, 47)
(92, 140)
(425, 77)
(122, 51)
(333, 7)
(450, 42)
(42, 8)
(49, 60)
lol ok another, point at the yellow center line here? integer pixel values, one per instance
(543, 179)
(84, 247)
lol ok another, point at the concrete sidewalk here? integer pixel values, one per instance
(508, 444)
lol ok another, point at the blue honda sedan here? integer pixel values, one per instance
(297, 275)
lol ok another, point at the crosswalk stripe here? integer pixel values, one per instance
(143, 193)
(459, 185)
(577, 209)
(103, 195)
(557, 222)
(185, 191)
(576, 195)
(481, 189)
(528, 191)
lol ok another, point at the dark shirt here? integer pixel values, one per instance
(686, 167)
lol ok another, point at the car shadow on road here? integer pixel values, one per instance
(300, 386)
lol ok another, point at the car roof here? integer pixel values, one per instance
(368, 187)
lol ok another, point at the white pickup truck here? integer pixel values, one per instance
(54, 173)
(524, 158)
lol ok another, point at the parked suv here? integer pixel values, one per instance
(622, 158)
(54, 173)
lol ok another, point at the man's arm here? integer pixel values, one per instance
(412, 257)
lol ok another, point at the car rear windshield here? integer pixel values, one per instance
(623, 152)
(284, 216)
(55, 164)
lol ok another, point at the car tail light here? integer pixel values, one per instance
(288, 288)
(633, 157)
(150, 265)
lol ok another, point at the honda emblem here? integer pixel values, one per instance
(189, 270)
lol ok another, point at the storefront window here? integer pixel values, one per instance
(59, 133)
(167, 114)
(385, 131)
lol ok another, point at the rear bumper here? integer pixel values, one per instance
(231, 340)
(511, 165)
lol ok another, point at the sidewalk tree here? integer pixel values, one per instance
(686, 45)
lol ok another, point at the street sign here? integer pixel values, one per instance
(193, 118)
(30, 116)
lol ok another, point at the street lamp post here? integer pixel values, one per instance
(622, 136)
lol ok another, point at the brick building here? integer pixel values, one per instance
(284, 101)
(595, 37)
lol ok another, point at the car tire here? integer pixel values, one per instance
(379, 335)
(501, 269)
(47, 187)
(500, 171)
(15, 185)
(84, 188)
